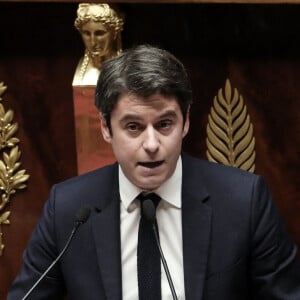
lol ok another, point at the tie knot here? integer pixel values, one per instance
(149, 204)
(152, 196)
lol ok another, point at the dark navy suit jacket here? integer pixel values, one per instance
(235, 245)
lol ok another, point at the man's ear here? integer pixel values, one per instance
(186, 124)
(105, 129)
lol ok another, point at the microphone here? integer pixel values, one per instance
(149, 212)
(81, 217)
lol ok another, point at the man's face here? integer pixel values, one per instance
(146, 138)
(97, 38)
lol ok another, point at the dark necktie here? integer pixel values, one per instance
(148, 257)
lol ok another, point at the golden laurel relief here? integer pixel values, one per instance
(230, 139)
(11, 178)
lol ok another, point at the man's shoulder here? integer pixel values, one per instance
(216, 177)
(101, 179)
(103, 173)
(89, 189)
(207, 168)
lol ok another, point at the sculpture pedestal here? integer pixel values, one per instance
(92, 151)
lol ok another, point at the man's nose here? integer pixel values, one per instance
(151, 140)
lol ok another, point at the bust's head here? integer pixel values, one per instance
(100, 27)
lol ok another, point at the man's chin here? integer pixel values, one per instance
(149, 185)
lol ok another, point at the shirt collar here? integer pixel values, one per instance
(170, 191)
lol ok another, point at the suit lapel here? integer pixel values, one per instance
(196, 224)
(106, 231)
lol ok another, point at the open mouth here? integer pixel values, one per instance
(151, 165)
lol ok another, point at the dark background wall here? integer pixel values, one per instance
(256, 46)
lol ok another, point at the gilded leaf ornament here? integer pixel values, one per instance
(11, 177)
(230, 139)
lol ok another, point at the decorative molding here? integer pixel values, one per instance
(170, 1)
(11, 178)
(230, 139)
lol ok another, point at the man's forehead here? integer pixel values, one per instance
(136, 107)
(153, 98)
(132, 116)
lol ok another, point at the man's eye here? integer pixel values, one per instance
(165, 124)
(132, 127)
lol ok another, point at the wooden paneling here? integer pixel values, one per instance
(36, 67)
(256, 46)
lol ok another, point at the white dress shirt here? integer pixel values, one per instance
(169, 221)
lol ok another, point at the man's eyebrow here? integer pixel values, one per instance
(168, 113)
(135, 117)
(130, 117)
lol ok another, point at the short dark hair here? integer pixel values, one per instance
(144, 70)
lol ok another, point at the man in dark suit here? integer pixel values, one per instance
(218, 227)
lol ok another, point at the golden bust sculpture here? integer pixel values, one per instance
(100, 27)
